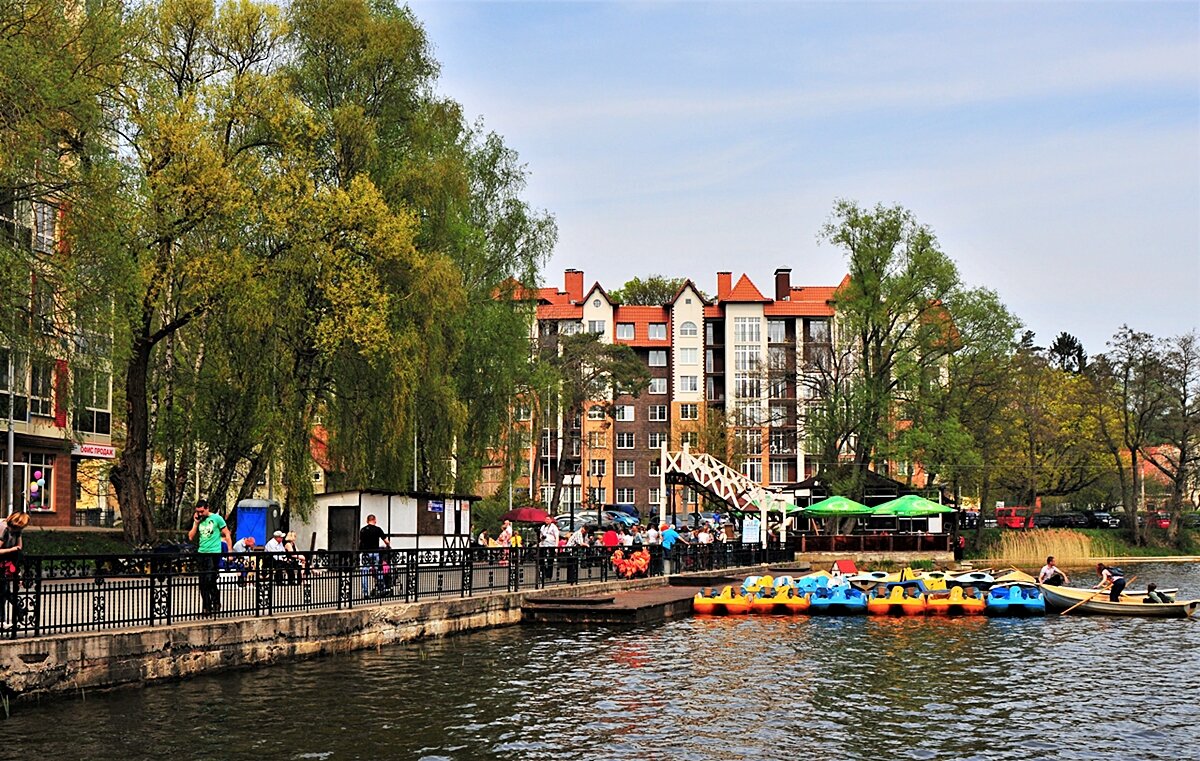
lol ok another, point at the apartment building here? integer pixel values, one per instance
(736, 363)
(55, 386)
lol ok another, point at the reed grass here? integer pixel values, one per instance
(1031, 547)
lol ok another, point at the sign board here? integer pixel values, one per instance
(101, 451)
(1000, 504)
(751, 531)
(437, 506)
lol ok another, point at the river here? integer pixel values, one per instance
(708, 689)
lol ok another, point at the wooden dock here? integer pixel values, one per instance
(635, 607)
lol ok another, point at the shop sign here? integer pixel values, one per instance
(101, 451)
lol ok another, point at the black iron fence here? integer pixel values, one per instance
(876, 542)
(52, 594)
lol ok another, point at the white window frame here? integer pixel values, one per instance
(657, 354)
(657, 413)
(626, 495)
(689, 356)
(655, 440)
(689, 383)
(624, 413)
(689, 412)
(626, 440)
(657, 331)
(688, 328)
(625, 331)
(658, 386)
(625, 468)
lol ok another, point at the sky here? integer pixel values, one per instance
(1054, 148)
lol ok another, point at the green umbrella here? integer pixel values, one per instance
(837, 506)
(779, 506)
(911, 506)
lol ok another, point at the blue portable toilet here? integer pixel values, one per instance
(258, 518)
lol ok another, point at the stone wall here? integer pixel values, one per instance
(96, 660)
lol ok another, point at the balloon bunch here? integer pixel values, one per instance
(37, 484)
(635, 564)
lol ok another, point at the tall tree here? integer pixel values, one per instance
(589, 370)
(654, 290)
(1177, 430)
(1068, 353)
(892, 316)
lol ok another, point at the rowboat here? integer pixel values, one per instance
(1097, 603)
(1080, 593)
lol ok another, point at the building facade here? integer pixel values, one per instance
(727, 375)
(55, 387)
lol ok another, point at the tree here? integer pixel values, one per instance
(588, 370)
(1068, 353)
(1129, 398)
(893, 320)
(655, 290)
(1177, 430)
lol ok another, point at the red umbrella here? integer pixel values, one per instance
(525, 515)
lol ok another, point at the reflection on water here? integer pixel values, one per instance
(700, 688)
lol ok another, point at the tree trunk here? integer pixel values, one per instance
(128, 476)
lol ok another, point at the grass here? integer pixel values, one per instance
(1073, 547)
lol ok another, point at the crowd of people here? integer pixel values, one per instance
(636, 535)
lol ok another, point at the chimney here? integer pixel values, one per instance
(783, 284)
(724, 285)
(573, 285)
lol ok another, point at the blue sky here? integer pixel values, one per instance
(1053, 147)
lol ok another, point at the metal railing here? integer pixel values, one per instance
(52, 594)
(878, 542)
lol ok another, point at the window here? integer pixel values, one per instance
(783, 441)
(17, 385)
(599, 495)
(688, 328)
(595, 326)
(45, 223)
(596, 412)
(93, 409)
(654, 496)
(747, 330)
(41, 382)
(654, 467)
(689, 496)
(522, 412)
(747, 386)
(746, 357)
(658, 385)
(752, 469)
(625, 331)
(658, 358)
(570, 328)
(776, 331)
(625, 440)
(655, 440)
(689, 356)
(575, 445)
(625, 495)
(689, 412)
(904, 468)
(657, 331)
(597, 467)
(624, 413)
(41, 475)
(691, 438)
(689, 383)
(749, 441)
(658, 413)
(624, 467)
(547, 494)
(597, 440)
(779, 472)
(816, 331)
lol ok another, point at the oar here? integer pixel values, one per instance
(1091, 597)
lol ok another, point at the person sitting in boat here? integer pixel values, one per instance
(1052, 574)
(1111, 579)
(1154, 596)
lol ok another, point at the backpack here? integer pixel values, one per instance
(1116, 571)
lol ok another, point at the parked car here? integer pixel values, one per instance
(1044, 521)
(605, 520)
(1100, 519)
(1191, 520)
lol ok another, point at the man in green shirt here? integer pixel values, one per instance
(208, 530)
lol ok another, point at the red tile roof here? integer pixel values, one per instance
(745, 291)
(560, 312)
(641, 317)
(804, 301)
(553, 296)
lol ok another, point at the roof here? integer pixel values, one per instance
(560, 312)
(805, 301)
(553, 296)
(642, 317)
(684, 286)
(744, 291)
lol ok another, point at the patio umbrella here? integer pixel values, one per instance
(911, 506)
(837, 507)
(525, 515)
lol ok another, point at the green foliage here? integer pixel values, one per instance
(655, 290)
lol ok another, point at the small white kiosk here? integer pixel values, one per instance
(411, 520)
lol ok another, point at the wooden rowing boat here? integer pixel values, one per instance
(1083, 593)
(1096, 602)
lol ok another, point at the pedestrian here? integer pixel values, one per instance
(244, 546)
(548, 544)
(960, 547)
(610, 538)
(278, 560)
(294, 556)
(369, 538)
(208, 531)
(11, 547)
(624, 538)
(652, 535)
(581, 537)
(483, 540)
(506, 534)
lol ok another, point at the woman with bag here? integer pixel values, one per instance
(10, 556)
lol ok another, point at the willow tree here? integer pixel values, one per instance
(203, 124)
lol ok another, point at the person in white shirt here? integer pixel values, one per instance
(505, 537)
(652, 535)
(705, 536)
(580, 537)
(549, 533)
(1052, 574)
(278, 560)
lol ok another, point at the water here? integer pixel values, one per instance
(706, 689)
